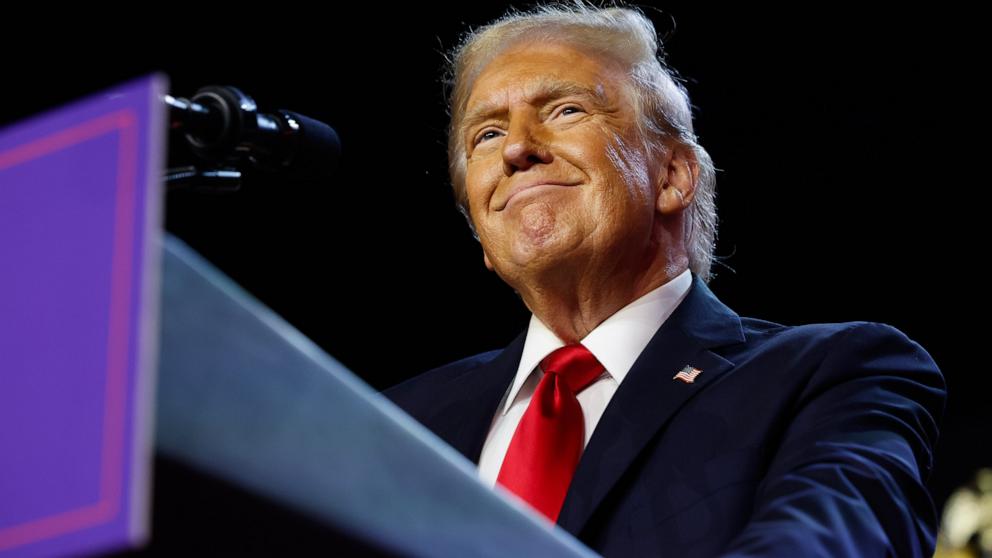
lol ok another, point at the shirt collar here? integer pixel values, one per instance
(616, 343)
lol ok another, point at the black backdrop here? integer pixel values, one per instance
(839, 135)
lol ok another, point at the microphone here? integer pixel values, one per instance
(222, 125)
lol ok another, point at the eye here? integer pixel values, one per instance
(484, 136)
(566, 108)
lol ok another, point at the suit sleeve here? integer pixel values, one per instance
(848, 478)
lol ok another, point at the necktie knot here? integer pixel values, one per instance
(575, 364)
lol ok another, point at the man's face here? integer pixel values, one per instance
(557, 179)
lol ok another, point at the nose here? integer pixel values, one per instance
(524, 146)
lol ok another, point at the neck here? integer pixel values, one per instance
(572, 305)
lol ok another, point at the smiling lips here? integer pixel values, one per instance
(527, 186)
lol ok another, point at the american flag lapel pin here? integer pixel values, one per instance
(687, 374)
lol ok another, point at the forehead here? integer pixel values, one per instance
(525, 72)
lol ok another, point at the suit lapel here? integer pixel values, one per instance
(480, 389)
(649, 397)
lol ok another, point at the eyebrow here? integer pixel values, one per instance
(544, 91)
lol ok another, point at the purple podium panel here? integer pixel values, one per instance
(80, 246)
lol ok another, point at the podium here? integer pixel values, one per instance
(246, 397)
(98, 296)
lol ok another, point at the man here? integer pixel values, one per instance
(637, 411)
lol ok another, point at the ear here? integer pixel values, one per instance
(485, 260)
(677, 181)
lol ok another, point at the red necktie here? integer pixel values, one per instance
(548, 442)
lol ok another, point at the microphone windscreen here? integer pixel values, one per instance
(318, 149)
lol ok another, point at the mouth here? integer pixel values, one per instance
(520, 193)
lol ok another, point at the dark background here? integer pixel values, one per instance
(846, 188)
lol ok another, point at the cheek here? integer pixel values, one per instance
(625, 197)
(612, 156)
(475, 193)
(630, 165)
(478, 187)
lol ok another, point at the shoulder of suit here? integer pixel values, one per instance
(812, 360)
(755, 327)
(823, 338)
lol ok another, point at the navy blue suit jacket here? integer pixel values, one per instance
(811, 440)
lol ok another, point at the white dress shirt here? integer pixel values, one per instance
(616, 343)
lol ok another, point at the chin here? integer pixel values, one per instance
(536, 259)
